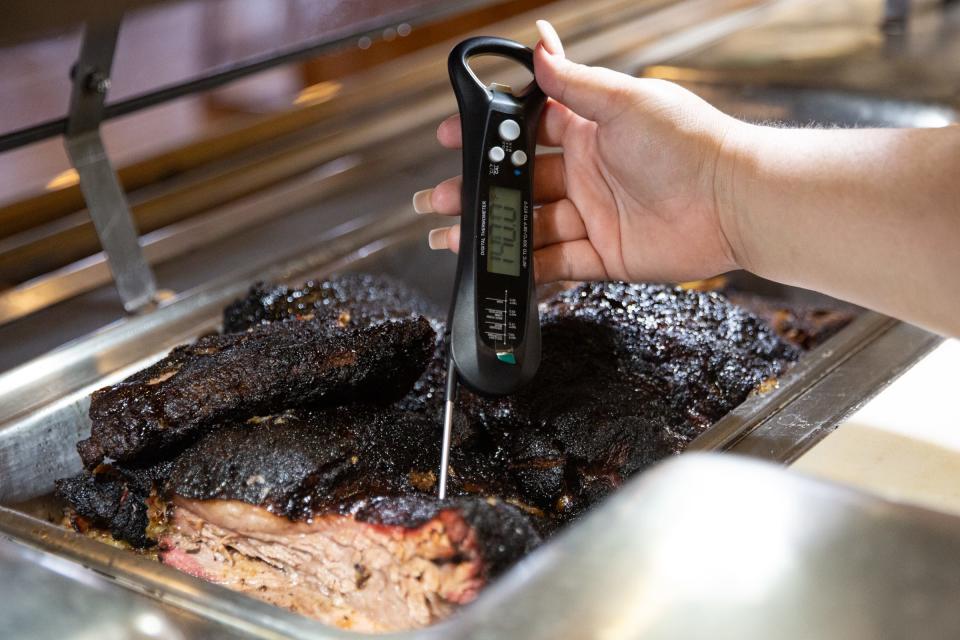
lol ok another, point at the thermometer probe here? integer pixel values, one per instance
(493, 328)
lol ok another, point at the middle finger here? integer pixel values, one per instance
(548, 186)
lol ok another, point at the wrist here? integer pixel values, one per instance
(734, 176)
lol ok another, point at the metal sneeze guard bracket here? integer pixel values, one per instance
(106, 201)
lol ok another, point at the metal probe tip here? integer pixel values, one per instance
(449, 399)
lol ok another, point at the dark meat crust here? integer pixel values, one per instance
(502, 532)
(344, 300)
(115, 499)
(223, 378)
(300, 466)
(630, 375)
(353, 299)
(697, 350)
(805, 326)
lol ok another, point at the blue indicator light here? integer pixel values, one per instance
(516, 172)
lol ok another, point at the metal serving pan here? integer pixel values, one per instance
(39, 427)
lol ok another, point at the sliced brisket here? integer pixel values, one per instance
(343, 499)
(390, 564)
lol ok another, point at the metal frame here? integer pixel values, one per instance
(372, 29)
(106, 201)
(826, 386)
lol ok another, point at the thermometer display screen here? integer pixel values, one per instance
(504, 232)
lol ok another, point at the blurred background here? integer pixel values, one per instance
(230, 84)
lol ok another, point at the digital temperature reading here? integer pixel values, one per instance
(504, 231)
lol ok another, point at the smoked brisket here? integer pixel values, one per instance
(304, 441)
(222, 378)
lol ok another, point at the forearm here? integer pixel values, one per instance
(869, 216)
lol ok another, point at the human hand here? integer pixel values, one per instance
(634, 193)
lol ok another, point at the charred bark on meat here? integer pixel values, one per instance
(312, 421)
(503, 533)
(302, 465)
(115, 498)
(224, 378)
(630, 375)
(349, 300)
(803, 325)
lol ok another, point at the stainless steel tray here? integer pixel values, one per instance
(43, 405)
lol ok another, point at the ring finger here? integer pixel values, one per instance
(548, 186)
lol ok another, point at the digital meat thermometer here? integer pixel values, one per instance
(493, 329)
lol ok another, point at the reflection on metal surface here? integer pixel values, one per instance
(318, 93)
(43, 596)
(177, 239)
(62, 180)
(805, 418)
(803, 106)
(718, 547)
(713, 26)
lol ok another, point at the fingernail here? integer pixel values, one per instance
(438, 238)
(549, 38)
(422, 201)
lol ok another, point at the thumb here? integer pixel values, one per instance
(594, 93)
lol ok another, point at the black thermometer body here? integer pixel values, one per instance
(493, 327)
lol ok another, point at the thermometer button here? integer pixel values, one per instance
(518, 158)
(495, 154)
(509, 130)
